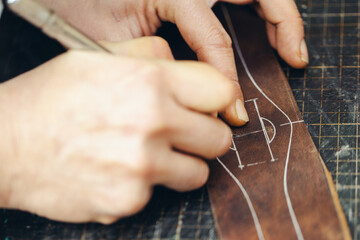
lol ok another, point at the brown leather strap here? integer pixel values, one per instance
(272, 184)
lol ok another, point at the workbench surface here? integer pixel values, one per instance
(326, 93)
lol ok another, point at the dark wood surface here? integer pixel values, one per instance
(279, 189)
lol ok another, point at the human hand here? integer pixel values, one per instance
(86, 135)
(126, 19)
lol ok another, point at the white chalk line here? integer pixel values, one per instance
(264, 131)
(273, 128)
(241, 166)
(248, 200)
(245, 134)
(284, 124)
(286, 192)
(254, 164)
(251, 100)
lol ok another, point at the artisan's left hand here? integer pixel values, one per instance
(284, 27)
(118, 20)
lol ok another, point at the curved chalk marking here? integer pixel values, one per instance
(248, 200)
(273, 126)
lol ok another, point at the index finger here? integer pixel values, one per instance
(208, 39)
(197, 86)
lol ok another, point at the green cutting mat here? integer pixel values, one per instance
(326, 92)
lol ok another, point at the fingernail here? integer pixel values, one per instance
(241, 111)
(304, 52)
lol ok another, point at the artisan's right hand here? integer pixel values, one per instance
(86, 136)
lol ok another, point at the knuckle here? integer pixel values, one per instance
(300, 20)
(225, 144)
(74, 54)
(151, 73)
(198, 180)
(156, 122)
(159, 42)
(84, 60)
(217, 37)
(149, 78)
(143, 164)
(140, 198)
(153, 92)
(203, 175)
(137, 205)
(144, 167)
(115, 204)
